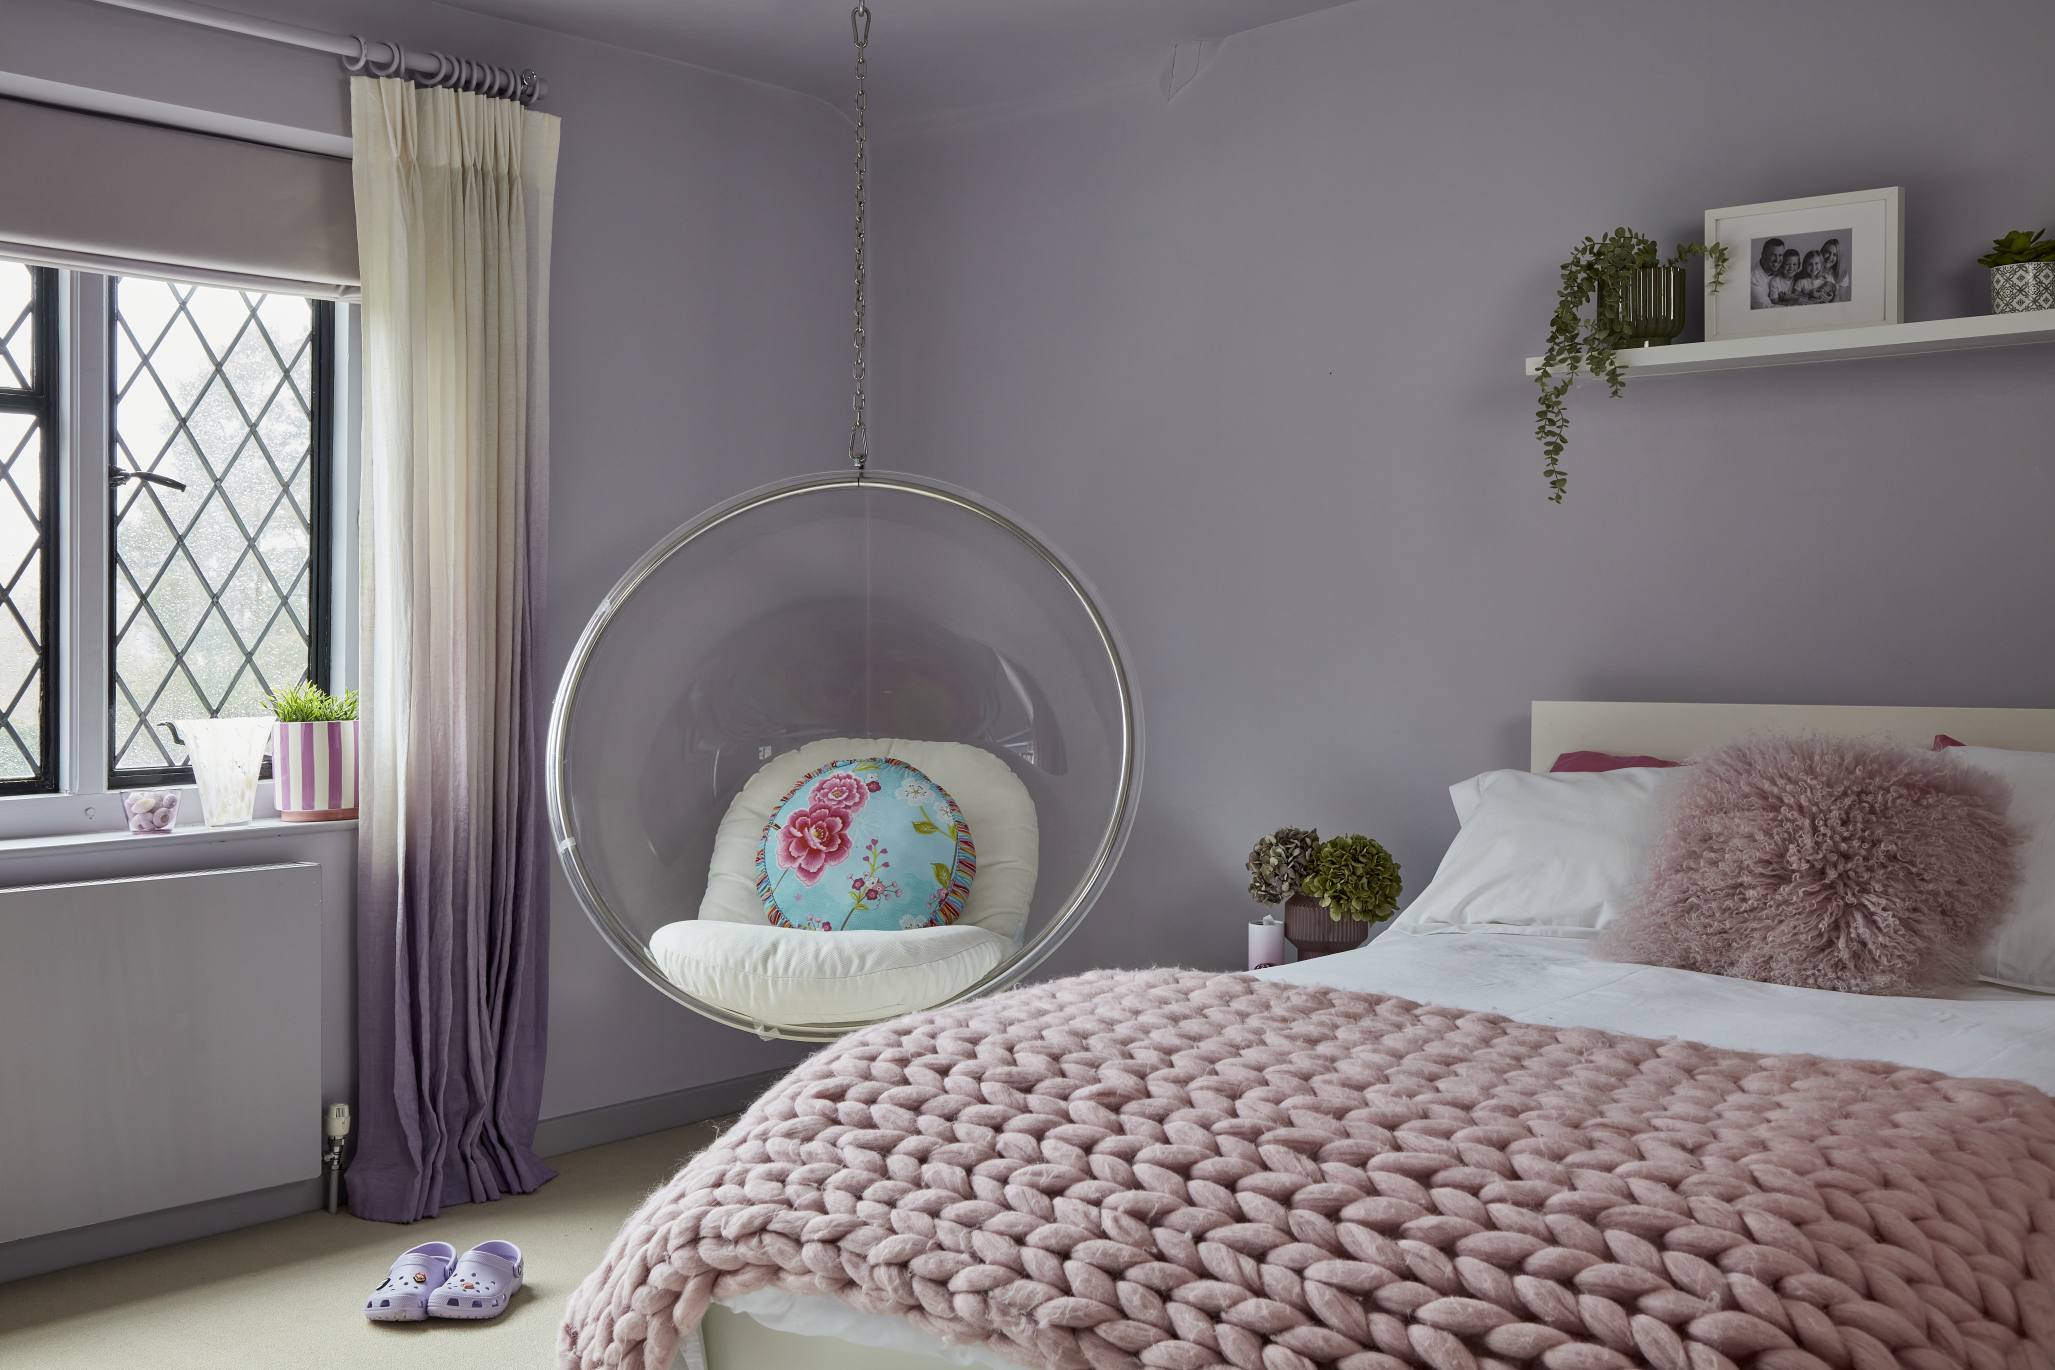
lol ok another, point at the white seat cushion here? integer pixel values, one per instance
(994, 802)
(790, 976)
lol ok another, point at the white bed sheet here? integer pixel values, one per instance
(1985, 1031)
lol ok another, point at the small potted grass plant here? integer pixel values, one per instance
(314, 756)
(1332, 891)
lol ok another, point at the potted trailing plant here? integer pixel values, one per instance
(1332, 891)
(314, 756)
(1635, 298)
(2022, 271)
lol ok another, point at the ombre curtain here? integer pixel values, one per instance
(454, 196)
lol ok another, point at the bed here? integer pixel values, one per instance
(1985, 1032)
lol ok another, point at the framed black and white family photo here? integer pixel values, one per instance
(1798, 266)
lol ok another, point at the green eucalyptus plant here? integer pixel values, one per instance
(1279, 864)
(1354, 877)
(2019, 247)
(307, 702)
(1581, 341)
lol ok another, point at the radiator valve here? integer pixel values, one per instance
(335, 1124)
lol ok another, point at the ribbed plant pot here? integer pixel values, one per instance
(2020, 286)
(314, 771)
(1647, 308)
(1308, 928)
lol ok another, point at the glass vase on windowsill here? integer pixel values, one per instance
(227, 755)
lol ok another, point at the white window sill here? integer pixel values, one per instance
(69, 844)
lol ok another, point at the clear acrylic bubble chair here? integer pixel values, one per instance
(832, 621)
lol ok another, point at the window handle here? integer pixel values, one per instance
(118, 476)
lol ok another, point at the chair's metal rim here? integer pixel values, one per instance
(618, 935)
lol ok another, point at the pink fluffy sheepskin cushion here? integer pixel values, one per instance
(1829, 864)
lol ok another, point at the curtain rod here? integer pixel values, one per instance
(358, 54)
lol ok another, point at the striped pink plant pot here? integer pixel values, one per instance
(314, 771)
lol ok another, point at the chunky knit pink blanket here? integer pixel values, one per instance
(1181, 1170)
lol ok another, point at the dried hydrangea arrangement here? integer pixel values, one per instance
(1279, 864)
(1354, 877)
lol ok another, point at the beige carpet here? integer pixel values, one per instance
(290, 1295)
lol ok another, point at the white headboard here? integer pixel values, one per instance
(1678, 730)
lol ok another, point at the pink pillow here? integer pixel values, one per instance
(1604, 761)
(1942, 742)
(1830, 864)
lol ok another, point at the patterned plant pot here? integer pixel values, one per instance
(1308, 928)
(2022, 286)
(314, 771)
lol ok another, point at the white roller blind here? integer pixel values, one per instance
(104, 194)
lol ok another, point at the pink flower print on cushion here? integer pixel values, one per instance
(840, 791)
(813, 840)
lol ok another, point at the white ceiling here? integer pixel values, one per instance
(926, 56)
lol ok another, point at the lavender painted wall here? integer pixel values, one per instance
(699, 279)
(1252, 358)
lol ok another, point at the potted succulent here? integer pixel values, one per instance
(2022, 271)
(1332, 891)
(1636, 298)
(314, 757)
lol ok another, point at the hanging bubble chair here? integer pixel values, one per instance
(881, 642)
(844, 747)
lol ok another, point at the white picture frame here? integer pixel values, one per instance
(1850, 259)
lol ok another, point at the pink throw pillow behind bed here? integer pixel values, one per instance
(1829, 864)
(1581, 763)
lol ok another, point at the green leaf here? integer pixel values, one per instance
(924, 827)
(941, 874)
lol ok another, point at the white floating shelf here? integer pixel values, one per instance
(1838, 345)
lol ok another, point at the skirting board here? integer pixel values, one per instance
(553, 1137)
(640, 1117)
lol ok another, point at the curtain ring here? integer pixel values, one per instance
(356, 64)
(442, 69)
(395, 66)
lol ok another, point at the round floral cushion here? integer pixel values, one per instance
(867, 843)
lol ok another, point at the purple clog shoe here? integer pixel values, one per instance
(481, 1285)
(413, 1277)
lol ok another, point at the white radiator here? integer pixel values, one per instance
(160, 1042)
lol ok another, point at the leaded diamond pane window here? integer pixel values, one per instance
(28, 552)
(218, 590)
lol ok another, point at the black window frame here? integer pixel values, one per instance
(320, 523)
(40, 402)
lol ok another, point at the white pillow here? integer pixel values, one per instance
(997, 806)
(792, 976)
(1550, 855)
(2022, 955)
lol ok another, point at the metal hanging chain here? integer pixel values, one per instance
(859, 435)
